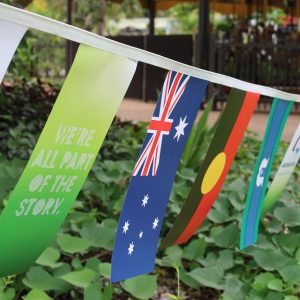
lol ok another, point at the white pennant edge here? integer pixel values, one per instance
(11, 35)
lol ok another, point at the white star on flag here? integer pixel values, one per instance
(145, 200)
(155, 223)
(130, 248)
(126, 226)
(180, 128)
(141, 234)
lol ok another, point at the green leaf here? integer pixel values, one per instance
(273, 226)
(203, 121)
(105, 269)
(8, 294)
(199, 135)
(288, 215)
(93, 263)
(289, 242)
(173, 255)
(222, 259)
(141, 287)
(102, 235)
(49, 258)
(273, 295)
(2, 284)
(290, 298)
(61, 284)
(263, 243)
(187, 174)
(261, 281)
(38, 278)
(228, 238)
(72, 244)
(220, 212)
(37, 294)
(107, 293)
(233, 289)
(297, 254)
(238, 186)
(270, 260)
(210, 277)
(290, 273)
(276, 285)
(195, 249)
(93, 292)
(82, 278)
(188, 280)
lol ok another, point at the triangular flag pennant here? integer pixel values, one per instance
(276, 122)
(11, 35)
(284, 173)
(63, 156)
(150, 187)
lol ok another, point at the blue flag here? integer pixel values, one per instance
(276, 122)
(150, 187)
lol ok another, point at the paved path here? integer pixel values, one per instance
(137, 110)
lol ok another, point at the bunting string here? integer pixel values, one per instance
(65, 152)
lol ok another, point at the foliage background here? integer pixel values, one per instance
(77, 264)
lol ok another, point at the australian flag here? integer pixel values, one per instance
(150, 186)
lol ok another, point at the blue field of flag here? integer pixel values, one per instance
(150, 187)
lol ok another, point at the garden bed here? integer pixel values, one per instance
(77, 264)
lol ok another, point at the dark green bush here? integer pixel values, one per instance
(25, 107)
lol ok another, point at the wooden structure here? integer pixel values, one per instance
(240, 8)
(243, 8)
(259, 60)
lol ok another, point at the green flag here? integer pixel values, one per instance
(63, 156)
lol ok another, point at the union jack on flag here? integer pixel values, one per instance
(173, 89)
(150, 186)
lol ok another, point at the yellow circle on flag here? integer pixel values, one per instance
(213, 173)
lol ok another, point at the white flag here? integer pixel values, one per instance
(286, 169)
(10, 36)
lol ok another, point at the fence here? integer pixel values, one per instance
(267, 64)
(148, 80)
(272, 65)
(50, 61)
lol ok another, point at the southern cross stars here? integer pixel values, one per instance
(155, 223)
(145, 200)
(180, 128)
(126, 227)
(130, 248)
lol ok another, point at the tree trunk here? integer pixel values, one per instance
(101, 23)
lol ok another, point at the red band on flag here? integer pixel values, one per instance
(230, 150)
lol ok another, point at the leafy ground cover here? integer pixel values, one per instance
(77, 263)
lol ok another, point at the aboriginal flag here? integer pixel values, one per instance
(215, 167)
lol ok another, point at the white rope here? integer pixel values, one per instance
(35, 21)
